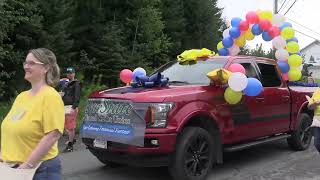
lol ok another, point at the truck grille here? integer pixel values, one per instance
(108, 111)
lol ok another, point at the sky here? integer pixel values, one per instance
(304, 16)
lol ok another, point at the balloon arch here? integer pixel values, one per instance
(272, 27)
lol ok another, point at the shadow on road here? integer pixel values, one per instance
(274, 161)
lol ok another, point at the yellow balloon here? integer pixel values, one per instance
(221, 75)
(294, 75)
(292, 47)
(287, 33)
(190, 56)
(240, 41)
(204, 52)
(295, 60)
(265, 15)
(259, 13)
(232, 97)
(248, 35)
(219, 45)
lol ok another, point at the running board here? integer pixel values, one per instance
(255, 143)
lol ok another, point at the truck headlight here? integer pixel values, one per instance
(158, 113)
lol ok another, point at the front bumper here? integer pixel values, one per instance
(147, 156)
(167, 144)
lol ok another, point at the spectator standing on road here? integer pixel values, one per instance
(71, 99)
(314, 104)
(35, 122)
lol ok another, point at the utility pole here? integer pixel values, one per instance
(275, 7)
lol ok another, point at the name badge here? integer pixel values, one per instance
(20, 112)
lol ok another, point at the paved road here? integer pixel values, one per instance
(273, 161)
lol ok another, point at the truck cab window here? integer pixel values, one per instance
(250, 71)
(269, 75)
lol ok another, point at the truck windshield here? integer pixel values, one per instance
(190, 74)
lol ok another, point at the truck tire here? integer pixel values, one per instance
(99, 155)
(301, 137)
(193, 157)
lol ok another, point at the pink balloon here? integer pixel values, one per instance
(126, 75)
(265, 24)
(252, 17)
(244, 25)
(274, 31)
(285, 77)
(237, 68)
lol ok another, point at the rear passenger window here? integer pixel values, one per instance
(250, 71)
(269, 75)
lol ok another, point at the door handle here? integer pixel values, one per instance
(285, 98)
(260, 99)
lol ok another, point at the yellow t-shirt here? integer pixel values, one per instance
(316, 97)
(29, 119)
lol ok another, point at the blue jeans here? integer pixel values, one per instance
(316, 131)
(49, 170)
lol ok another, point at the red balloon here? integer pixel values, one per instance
(126, 75)
(252, 17)
(244, 25)
(274, 31)
(265, 24)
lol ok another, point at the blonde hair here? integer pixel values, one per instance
(49, 59)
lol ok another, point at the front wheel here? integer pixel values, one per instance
(193, 158)
(301, 137)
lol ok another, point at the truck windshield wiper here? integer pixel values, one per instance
(177, 82)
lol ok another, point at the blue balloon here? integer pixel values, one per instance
(234, 32)
(284, 66)
(292, 39)
(138, 72)
(284, 25)
(299, 53)
(227, 42)
(63, 82)
(253, 88)
(256, 30)
(266, 36)
(235, 22)
(223, 52)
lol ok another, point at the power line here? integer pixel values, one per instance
(307, 35)
(290, 7)
(311, 30)
(285, 5)
(281, 6)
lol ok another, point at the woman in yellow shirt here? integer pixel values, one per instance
(314, 104)
(35, 122)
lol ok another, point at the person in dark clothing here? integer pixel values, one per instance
(71, 99)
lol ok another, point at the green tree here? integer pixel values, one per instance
(148, 43)
(56, 19)
(20, 28)
(203, 24)
(175, 24)
(258, 51)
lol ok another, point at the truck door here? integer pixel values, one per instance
(267, 113)
(276, 114)
(247, 114)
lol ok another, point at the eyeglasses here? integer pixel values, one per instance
(32, 63)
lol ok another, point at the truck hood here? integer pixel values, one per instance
(158, 94)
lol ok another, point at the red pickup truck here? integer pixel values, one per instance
(187, 125)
